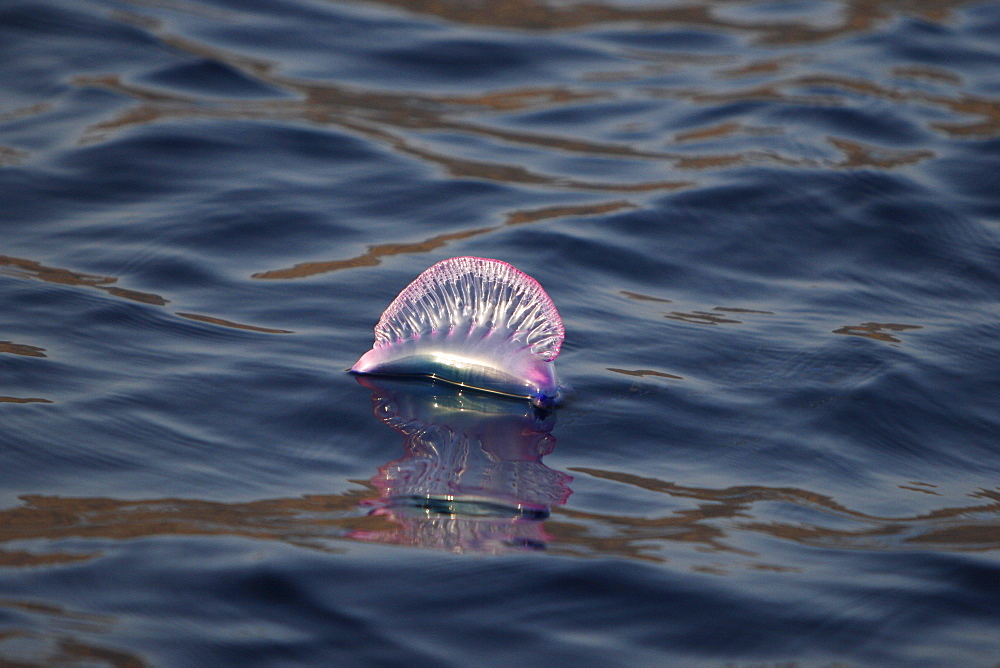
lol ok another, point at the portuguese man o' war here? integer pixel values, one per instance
(473, 322)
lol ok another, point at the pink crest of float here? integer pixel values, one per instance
(471, 321)
(466, 290)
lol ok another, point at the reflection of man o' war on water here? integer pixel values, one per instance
(472, 322)
(472, 477)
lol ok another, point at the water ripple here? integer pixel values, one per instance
(770, 229)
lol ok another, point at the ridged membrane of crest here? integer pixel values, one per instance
(466, 292)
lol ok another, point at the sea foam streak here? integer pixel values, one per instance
(473, 322)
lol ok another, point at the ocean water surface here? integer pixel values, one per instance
(772, 230)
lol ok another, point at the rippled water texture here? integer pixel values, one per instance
(771, 229)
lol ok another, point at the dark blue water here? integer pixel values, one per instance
(772, 230)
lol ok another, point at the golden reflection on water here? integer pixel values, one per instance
(307, 521)
(718, 522)
(646, 372)
(638, 296)
(26, 648)
(401, 120)
(721, 516)
(877, 331)
(713, 317)
(60, 644)
(391, 118)
(11, 156)
(702, 318)
(22, 268)
(397, 119)
(234, 325)
(21, 349)
(374, 254)
(853, 16)
(18, 267)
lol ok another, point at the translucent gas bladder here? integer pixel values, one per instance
(473, 322)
